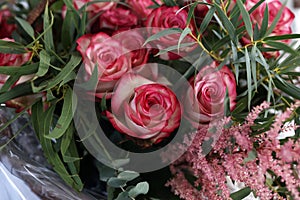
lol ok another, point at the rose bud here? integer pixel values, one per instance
(170, 17)
(108, 55)
(204, 101)
(118, 19)
(6, 28)
(144, 109)
(133, 40)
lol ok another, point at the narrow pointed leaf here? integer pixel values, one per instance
(246, 18)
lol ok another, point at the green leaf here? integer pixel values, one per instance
(26, 26)
(256, 6)
(275, 21)
(66, 116)
(65, 72)
(48, 37)
(241, 194)
(19, 70)
(207, 19)
(265, 22)
(116, 182)
(44, 63)
(68, 29)
(249, 79)
(281, 46)
(251, 156)
(169, 2)
(123, 196)
(43, 126)
(163, 33)
(175, 47)
(9, 83)
(226, 23)
(253, 65)
(246, 18)
(17, 91)
(105, 172)
(191, 13)
(128, 175)
(287, 87)
(184, 33)
(283, 37)
(12, 47)
(140, 188)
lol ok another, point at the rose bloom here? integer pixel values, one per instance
(164, 18)
(204, 101)
(118, 19)
(283, 25)
(144, 109)
(141, 7)
(133, 40)
(6, 28)
(108, 55)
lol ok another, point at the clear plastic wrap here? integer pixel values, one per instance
(24, 172)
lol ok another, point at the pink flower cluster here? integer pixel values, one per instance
(231, 156)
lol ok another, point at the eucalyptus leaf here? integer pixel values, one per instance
(26, 26)
(48, 37)
(140, 188)
(116, 182)
(128, 175)
(12, 47)
(66, 116)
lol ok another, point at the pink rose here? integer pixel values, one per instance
(144, 109)
(205, 100)
(283, 25)
(141, 7)
(108, 55)
(6, 28)
(118, 19)
(133, 40)
(167, 17)
(285, 21)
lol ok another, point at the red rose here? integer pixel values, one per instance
(118, 19)
(94, 7)
(106, 53)
(133, 40)
(144, 109)
(142, 8)
(6, 28)
(204, 101)
(169, 17)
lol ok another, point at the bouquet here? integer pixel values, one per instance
(160, 99)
